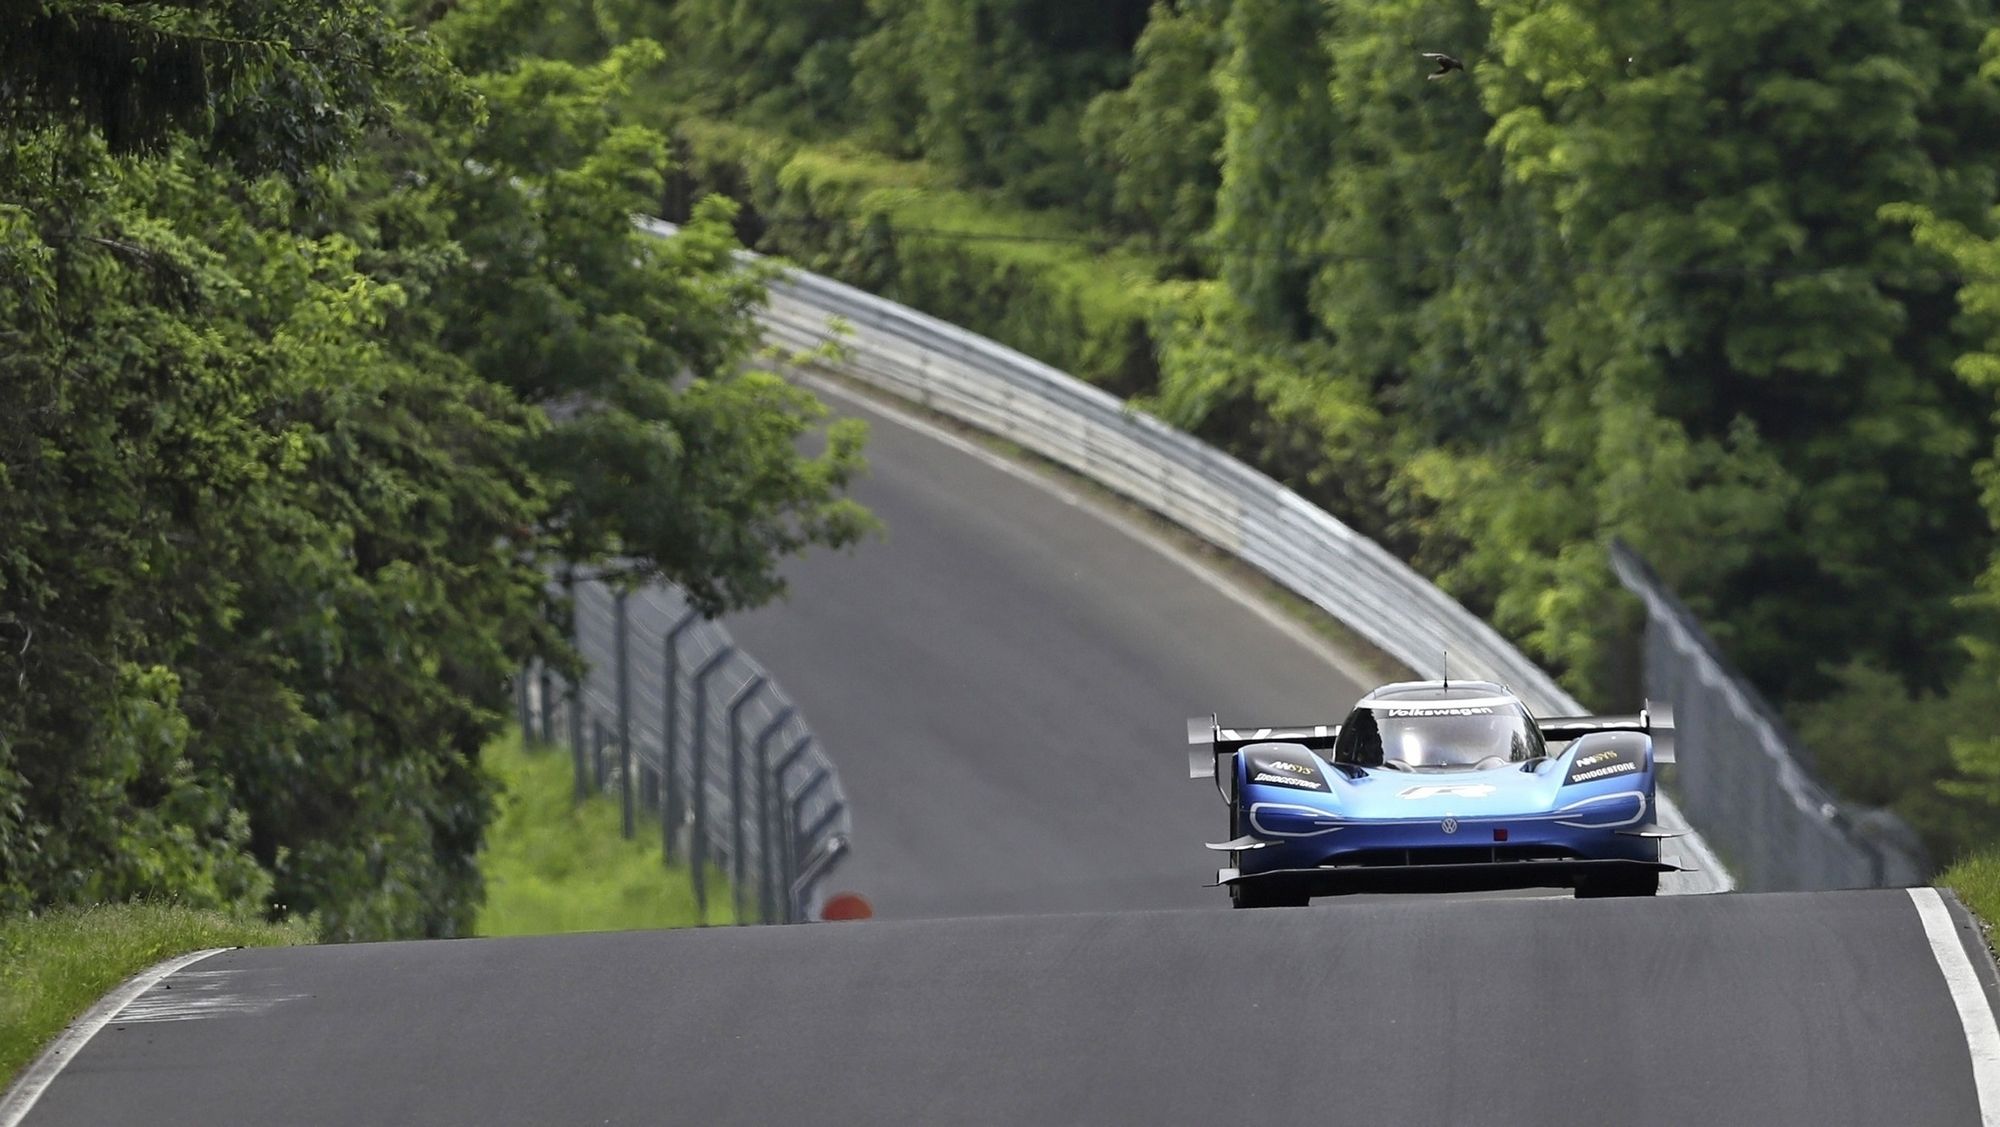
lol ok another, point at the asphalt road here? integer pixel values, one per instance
(1003, 683)
(1785, 1009)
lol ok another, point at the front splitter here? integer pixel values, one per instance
(1488, 876)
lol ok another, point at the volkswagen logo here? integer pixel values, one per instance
(1449, 825)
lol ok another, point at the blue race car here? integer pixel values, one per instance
(1433, 786)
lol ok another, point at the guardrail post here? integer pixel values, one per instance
(788, 858)
(671, 813)
(767, 851)
(621, 630)
(698, 780)
(816, 869)
(739, 701)
(820, 860)
(796, 840)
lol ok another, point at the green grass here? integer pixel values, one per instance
(1043, 281)
(552, 865)
(54, 966)
(1976, 880)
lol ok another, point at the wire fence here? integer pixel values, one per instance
(1741, 770)
(697, 739)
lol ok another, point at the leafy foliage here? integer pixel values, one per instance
(870, 219)
(306, 379)
(1159, 139)
(993, 89)
(703, 483)
(1974, 749)
(1573, 269)
(774, 57)
(269, 87)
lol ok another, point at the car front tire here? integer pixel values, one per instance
(1623, 884)
(1241, 896)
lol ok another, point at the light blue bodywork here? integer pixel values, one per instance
(1575, 811)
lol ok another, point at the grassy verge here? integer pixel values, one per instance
(552, 865)
(54, 966)
(1976, 880)
(1042, 281)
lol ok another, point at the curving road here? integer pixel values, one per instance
(1002, 682)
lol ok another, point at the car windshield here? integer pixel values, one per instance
(1437, 735)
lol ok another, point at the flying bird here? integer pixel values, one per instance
(1446, 64)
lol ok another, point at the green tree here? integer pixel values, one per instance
(994, 89)
(1159, 139)
(1631, 256)
(289, 438)
(669, 454)
(268, 87)
(774, 57)
(1277, 147)
(1719, 173)
(1974, 750)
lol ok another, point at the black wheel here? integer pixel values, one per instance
(1241, 896)
(1244, 896)
(1623, 884)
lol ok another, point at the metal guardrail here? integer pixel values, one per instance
(689, 730)
(997, 389)
(1741, 772)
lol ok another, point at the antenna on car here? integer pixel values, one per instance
(1447, 668)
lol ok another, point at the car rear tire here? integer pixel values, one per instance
(1624, 884)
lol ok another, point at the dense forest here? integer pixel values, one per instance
(1716, 279)
(289, 288)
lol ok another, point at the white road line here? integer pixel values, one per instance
(1347, 666)
(1982, 1036)
(20, 1099)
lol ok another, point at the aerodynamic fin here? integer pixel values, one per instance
(1244, 842)
(1656, 720)
(1209, 741)
(1201, 747)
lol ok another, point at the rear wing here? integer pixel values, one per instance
(1656, 720)
(1208, 741)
